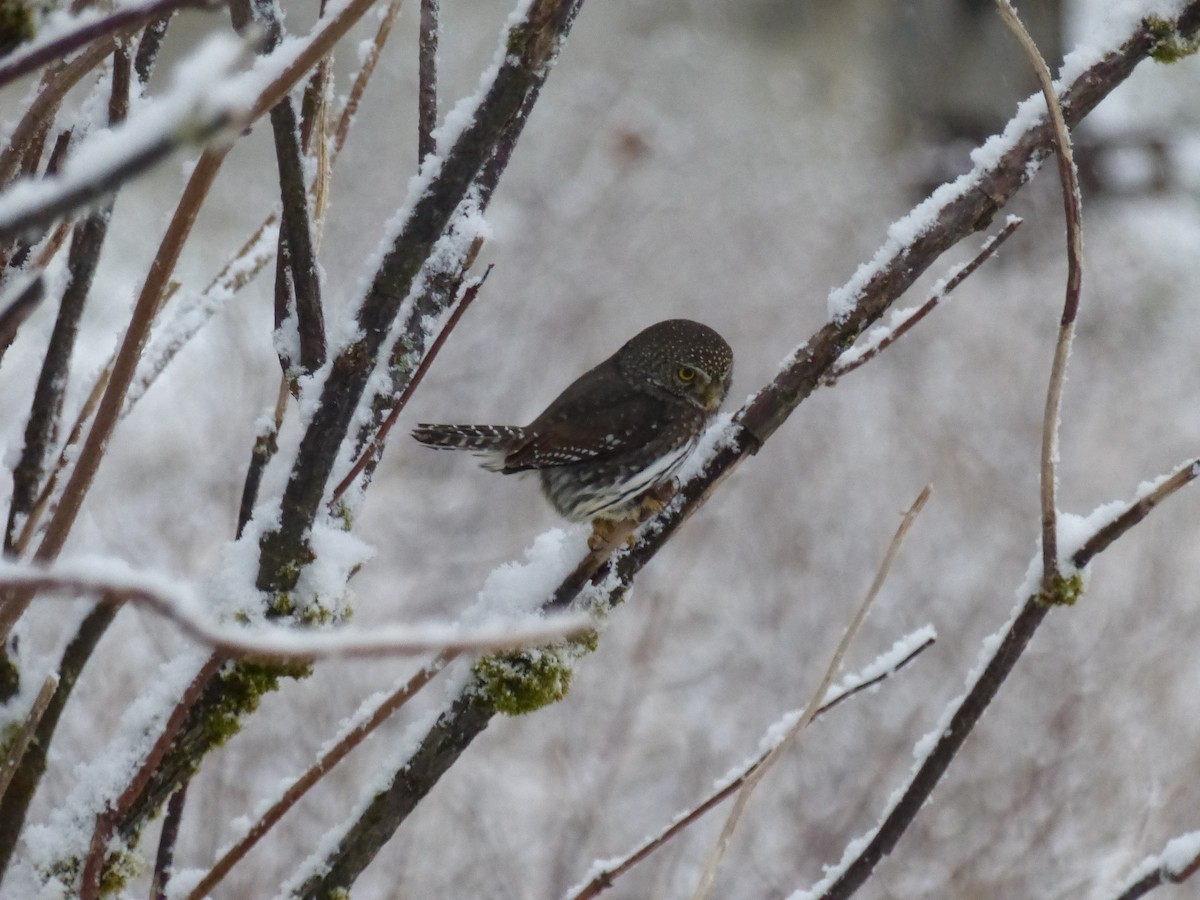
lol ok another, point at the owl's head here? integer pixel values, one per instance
(683, 358)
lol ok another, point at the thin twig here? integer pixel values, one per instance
(371, 454)
(603, 879)
(364, 74)
(164, 859)
(852, 360)
(1066, 331)
(427, 92)
(814, 704)
(297, 281)
(1137, 510)
(297, 789)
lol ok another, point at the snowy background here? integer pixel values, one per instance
(732, 164)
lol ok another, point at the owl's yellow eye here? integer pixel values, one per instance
(685, 374)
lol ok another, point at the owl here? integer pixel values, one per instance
(618, 432)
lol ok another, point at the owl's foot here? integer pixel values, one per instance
(608, 534)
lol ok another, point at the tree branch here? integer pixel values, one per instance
(1178, 862)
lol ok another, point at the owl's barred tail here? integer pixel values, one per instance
(490, 441)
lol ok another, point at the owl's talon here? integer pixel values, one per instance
(609, 533)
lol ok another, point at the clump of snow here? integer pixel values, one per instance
(721, 433)
(518, 589)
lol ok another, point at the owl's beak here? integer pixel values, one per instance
(714, 393)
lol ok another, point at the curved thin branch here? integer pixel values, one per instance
(276, 644)
(1178, 862)
(1066, 330)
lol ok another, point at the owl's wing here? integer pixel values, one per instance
(597, 417)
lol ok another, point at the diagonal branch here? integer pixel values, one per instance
(1178, 862)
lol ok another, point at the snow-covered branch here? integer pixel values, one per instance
(182, 605)
(1178, 862)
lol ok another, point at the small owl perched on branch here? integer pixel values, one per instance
(619, 431)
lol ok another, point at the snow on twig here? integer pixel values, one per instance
(1178, 862)
(113, 582)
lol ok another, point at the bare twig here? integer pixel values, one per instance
(603, 879)
(297, 283)
(1066, 331)
(1178, 862)
(164, 859)
(373, 451)
(814, 704)
(1137, 510)
(386, 21)
(297, 789)
(427, 95)
(854, 358)
(265, 446)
